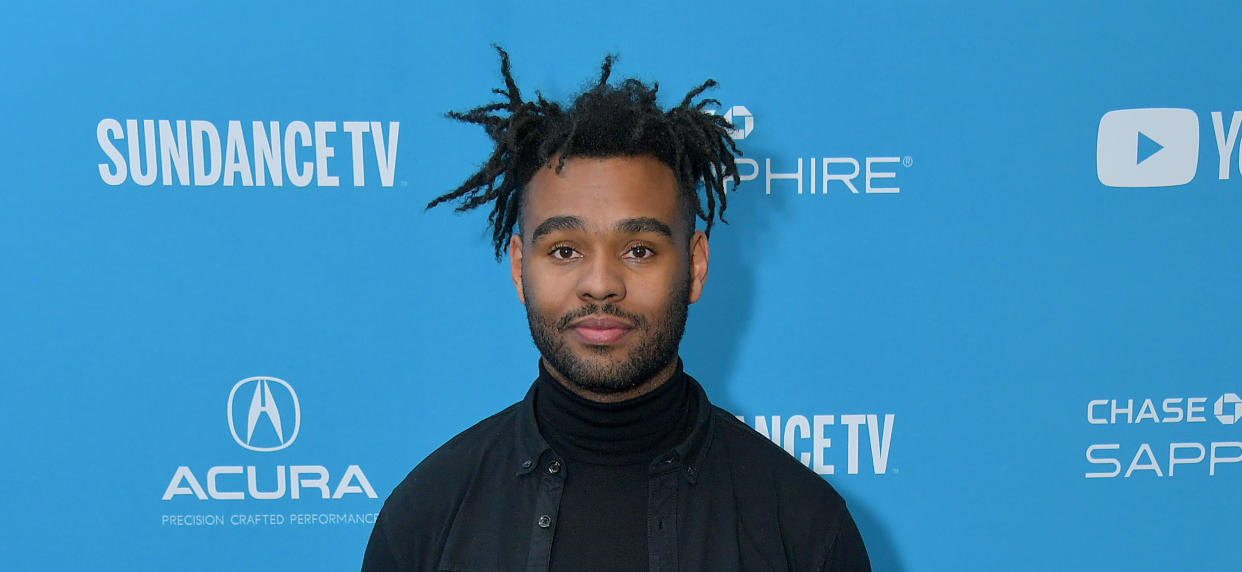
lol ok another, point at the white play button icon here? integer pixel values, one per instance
(1150, 147)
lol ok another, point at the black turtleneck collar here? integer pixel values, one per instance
(625, 432)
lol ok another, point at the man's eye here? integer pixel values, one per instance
(563, 253)
(639, 252)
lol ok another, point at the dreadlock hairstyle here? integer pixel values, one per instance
(603, 121)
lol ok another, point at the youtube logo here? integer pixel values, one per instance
(1147, 147)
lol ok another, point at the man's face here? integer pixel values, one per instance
(606, 267)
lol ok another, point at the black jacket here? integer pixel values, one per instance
(724, 499)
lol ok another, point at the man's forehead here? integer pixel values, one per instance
(615, 193)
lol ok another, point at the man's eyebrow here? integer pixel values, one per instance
(644, 224)
(555, 223)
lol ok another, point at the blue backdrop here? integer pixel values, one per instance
(1002, 321)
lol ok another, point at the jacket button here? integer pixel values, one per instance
(554, 467)
(526, 464)
(545, 521)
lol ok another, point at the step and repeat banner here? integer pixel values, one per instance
(982, 272)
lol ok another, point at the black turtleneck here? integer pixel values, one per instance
(606, 449)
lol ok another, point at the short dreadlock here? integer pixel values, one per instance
(603, 121)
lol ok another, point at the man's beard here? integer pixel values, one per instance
(653, 352)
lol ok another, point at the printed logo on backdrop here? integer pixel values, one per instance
(1159, 147)
(1228, 408)
(743, 122)
(1166, 437)
(809, 439)
(815, 173)
(147, 151)
(263, 406)
(264, 416)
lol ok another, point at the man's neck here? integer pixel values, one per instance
(646, 386)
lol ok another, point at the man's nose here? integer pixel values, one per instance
(601, 280)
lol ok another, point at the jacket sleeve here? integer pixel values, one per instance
(847, 553)
(379, 557)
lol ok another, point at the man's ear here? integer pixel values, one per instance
(515, 266)
(698, 264)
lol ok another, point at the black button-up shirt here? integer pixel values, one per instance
(725, 498)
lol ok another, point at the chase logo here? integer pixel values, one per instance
(739, 114)
(273, 415)
(1228, 408)
(1147, 147)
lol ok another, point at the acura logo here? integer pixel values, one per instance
(273, 418)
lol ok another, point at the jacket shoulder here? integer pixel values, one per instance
(817, 531)
(756, 464)
(408, 532)
(449, 466)
(763, 460)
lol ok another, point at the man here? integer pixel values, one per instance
(615, 460)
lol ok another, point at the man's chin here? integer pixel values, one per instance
(596, 372)
(599, 365)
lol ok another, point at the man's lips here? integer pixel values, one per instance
(600, 330)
